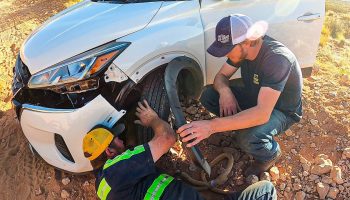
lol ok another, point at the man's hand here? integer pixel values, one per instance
(195, 132)
(147, 116)
(164, 136)
(228, 103)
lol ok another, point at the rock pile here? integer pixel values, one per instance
(321, 176)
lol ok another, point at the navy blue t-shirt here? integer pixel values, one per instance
(276, 67)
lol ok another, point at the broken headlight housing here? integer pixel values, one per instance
(79, 73)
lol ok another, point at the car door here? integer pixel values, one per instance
(297, 24)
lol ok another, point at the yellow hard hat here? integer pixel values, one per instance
(96, 141)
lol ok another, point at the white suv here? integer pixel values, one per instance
(91, 63)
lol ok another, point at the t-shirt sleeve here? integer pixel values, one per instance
(275, 72)
(228, 61)
(128, 168)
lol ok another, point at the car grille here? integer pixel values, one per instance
(21, 75)
(62, 147)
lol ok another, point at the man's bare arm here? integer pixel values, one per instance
(163, 140)
(227, 101)
(221, 80)
(164, 136)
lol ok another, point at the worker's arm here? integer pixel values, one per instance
(260, 114)
(227, 101)
(164, 136)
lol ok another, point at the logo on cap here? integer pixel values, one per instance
(223, 38)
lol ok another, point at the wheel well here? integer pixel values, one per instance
(190, 84)
(189, 76)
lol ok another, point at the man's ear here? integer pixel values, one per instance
(247, 43)
(110, 152)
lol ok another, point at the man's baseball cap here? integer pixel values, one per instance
(98, 139)
(232, 30)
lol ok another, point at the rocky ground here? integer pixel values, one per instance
(316, 155)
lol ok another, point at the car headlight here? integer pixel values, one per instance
(85, 66)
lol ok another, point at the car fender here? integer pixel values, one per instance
(175, 31)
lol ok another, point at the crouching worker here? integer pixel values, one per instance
(132, 175)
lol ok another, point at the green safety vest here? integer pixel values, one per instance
(154, 192)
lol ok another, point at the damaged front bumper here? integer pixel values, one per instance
(57, 134)
(55, 124)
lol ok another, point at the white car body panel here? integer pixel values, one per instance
(158, 45)
(40, 124)
(301, 37)
(87, 26)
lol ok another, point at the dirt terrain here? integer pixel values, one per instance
(324, 129)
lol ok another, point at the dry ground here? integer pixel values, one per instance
(324, 128)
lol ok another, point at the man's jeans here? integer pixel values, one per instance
(262, 190)
(257, 141)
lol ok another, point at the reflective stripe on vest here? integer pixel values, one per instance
(158, 186)
(126, 155)
(103, 189)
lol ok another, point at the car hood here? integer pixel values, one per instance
(81, 28)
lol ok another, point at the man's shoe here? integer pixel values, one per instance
(256, 168)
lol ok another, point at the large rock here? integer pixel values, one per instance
(297, 186)
(313, 177)
(303, 160)
(282, 186)
(346, 153)
(38, 191)
(305, 173)
(265, 176)
(322, 190)
(300, 195)
(321, 169)
(275, 173)
(64, 194)
(327, 179)
(322, 165)
(313, 122)
(305, 163)
(333, 94)
(86, 183)
(333, 193)
(251, 179)
(289, 133)
(306, 166)
(319, 158)
(65, 181)
(336, 175)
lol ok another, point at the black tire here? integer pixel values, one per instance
(155, 94)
